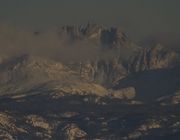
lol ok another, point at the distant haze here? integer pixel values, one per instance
(17, 41)
(140, 18)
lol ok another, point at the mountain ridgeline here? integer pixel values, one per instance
(106, 38)
(117, 59)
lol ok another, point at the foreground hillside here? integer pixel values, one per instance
(40, 117)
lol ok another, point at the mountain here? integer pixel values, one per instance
(107, 38)
(156, 57)
(100, 71)
(123, 91)
(29, 71)
(106, 65)
(26, 75)
(153, 72)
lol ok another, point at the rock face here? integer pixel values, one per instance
(157, 57)
(144, 128)
(108, 71)
(30, 68)
(73, 132)
(26, 71)
(124, 93)
(8, 129)
(75, 33)
(104, 72)
(107, 38)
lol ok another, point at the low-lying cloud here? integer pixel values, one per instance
(15, 40)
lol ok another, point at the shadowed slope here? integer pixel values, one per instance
(153, 84)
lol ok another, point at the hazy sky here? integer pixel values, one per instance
(138, 17)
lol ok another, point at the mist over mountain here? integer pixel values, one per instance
(89, 70)
(87, 82)
(168, 39)
(65, 44)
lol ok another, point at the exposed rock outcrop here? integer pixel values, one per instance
(8, 128)
(176, 98)
(157, 57)
(113, 37)
(173, 99)
(104, 72)
(72, 132)
(125, 93)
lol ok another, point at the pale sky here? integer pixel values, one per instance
(138, 17)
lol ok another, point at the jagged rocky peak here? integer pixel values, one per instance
(156, 57)
(113, 37)
(33, 62)
(101, 71)
(75, 32)
(104, 72)
(106, 37)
